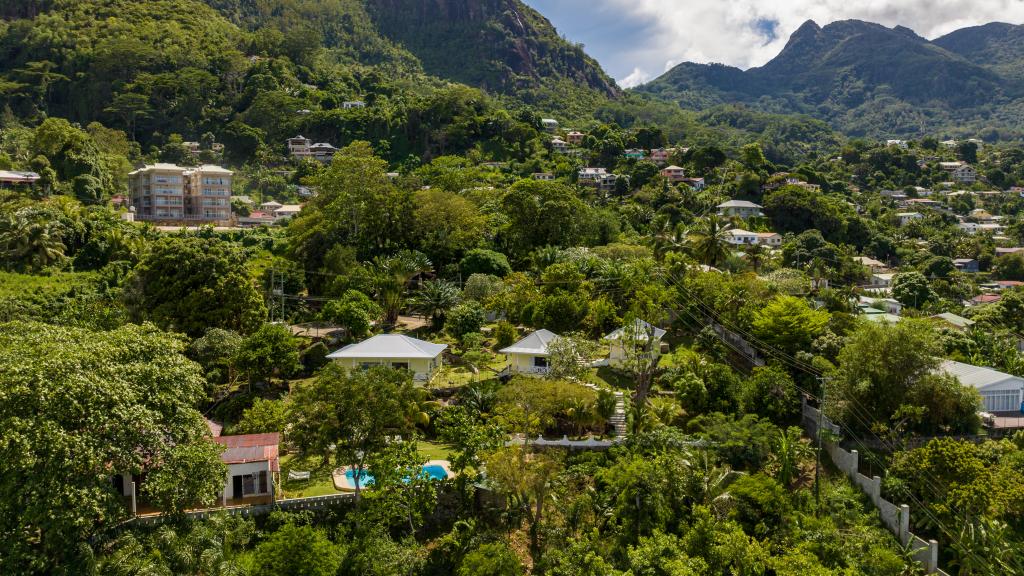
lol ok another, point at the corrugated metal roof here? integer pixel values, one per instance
(977, 376)
(638, 331)
(390, 346)
(534, 343)
(251, 448)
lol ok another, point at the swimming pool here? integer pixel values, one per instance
(432, 471)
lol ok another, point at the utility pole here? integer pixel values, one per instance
(270, 299)
(818, 432)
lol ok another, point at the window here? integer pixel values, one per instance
(400, 365)
(251, 484)
(540, 362)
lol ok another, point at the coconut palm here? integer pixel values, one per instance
(391, 279)
(709, 484)
(709, 240)
(32, 243)
(756, 255)
(435, 298)
(666, 410)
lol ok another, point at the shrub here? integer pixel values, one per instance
(482, 261)
(464, 318)
(761, 503)
(505, 335)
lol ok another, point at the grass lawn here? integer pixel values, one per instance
(320, 482)
(433, 450)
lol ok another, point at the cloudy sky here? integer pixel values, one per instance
(638, 40)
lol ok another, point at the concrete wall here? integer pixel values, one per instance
(523, 364)
(422, 368)
(895, 517)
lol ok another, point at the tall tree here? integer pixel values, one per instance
(709, 241)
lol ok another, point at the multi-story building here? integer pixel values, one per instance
(177, 193)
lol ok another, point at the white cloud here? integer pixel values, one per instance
(635, 78)
(725, 30)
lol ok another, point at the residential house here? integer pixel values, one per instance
(908, 217)
(575, 138)
(695, 183)
(353, 104)
(661, 155)
(598, 178)
(634, 153)
(871, 264)
(634, 340)
(397, 351)
(882, 280)
(948, 143)
(968, 227)
(287, 211)
(740, 208)
(192, 147)
(954, 321)
(969, 265)
(984, 299)
(549, 124)
(740, 237)
(543, 176)
(253, 463)
(270, 206)
(961, 172)
(177, 193)
(13, 179)
(902, 144)
(559, 146)
(1006, 251)
(530, 354)
(322, 152)
(888, 305)
(876, 315)
(299, 146)
(674, 174)
(1000, 392)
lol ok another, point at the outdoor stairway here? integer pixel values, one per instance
(618, 420)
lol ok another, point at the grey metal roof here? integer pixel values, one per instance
(739, 204)
(390, 346)
(638, 331)
(979, 377)
(535, 343)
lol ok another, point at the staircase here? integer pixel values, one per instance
(618, 419)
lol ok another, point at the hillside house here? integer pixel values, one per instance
(631, 341)
(1000, 392)
(352, 104)
(549, 124)
(953, 321)
(694, 183)
(961, 172)
(905, 218)
(661, 155)
(634, 154)
(12, 179)
(575, 138)
(559, 146)
(740, 237)
(740, 209)
(674, 174)
(543, 176)
(902, 144)
(871, 264)
(968, 265)
(253, 463)
(530, 354)
(397, 351)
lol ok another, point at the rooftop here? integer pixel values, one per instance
(533, 343)
(977, 376)
(251, 448)
(638, 331)
(390, 346)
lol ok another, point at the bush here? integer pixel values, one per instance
(464, 318)
(296, 550)
(761, 503)
(494, 559)
(482, 261)
(505, 335)
(315, 357)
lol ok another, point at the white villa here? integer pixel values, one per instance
(908, 217)
(636, 337)
(1000, 392)
(740, 208)
(530, 355)
(398, 351)
(740, 237)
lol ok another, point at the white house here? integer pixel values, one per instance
(897, 143)
(353, 104)
(559, 146)
(549, 124)
(397, 351)
(287, 211)
(740, 208)
(253, 462)
(1000, 392)
(530, 355)
(591, 175)
(543, 176)
(740, 237)
(882, 280)
(961, 172)
(908, 217)
(633, 339)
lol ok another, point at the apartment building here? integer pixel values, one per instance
(178, 193)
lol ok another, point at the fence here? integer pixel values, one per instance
(896, 518)
(310, 503)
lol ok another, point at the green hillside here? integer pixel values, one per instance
(997, 46)
(866, 80)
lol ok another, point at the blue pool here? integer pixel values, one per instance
(432, 471)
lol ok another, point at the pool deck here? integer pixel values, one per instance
(341, 482)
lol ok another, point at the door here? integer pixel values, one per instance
(119, 484)
(236, 486)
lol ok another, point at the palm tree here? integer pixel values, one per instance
(709, 241)
(541, 258)
(392, 276)
(435, 298)
(33, 243)
(756, 255)
(666, 410)
(709, 484)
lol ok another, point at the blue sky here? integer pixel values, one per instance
(638, 40)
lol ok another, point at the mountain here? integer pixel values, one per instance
(997, 46)
(866, 79)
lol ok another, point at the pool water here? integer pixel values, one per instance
(432, 471)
